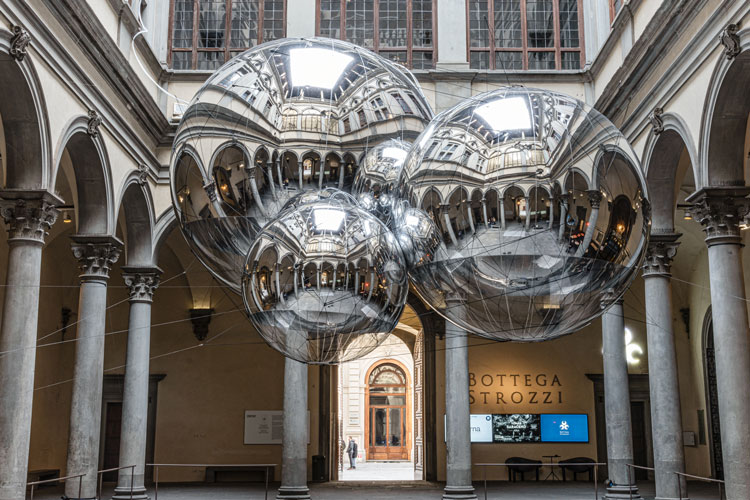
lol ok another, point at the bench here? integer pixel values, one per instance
(577, 465)
(521, 466)
(239, 473)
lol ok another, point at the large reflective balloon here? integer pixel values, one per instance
(281, 118)
(537, 208)
(375, 182)
(325, 282)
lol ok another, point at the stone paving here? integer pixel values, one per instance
(379, 471)
(414, 490)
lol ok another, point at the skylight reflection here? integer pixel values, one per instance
(328, 219)
(316, 67)
(504, 115)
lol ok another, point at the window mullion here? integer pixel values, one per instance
(409, 33)
(556, 28)
(227, 30)
(261, 18)
(342, 20)
(491, 32)
(375, 27)
(524, 37)
(196, 25)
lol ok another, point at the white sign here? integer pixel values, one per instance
(267, 427)
(481, 428)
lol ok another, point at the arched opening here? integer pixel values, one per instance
(231, 184)
(310, 167)
(539, 206)
(332, 170)
(350, 169)
(712, 397)
(387, 434)
(290, 170)
(515, 205)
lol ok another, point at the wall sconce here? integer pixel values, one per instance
(66, 217)
(200, 318)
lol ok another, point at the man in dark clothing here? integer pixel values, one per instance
(351, 450)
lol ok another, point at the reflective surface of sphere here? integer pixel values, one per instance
(325, 282)
(375, 182)
(282, 118)
(538, 212)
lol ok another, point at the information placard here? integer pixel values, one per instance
(267, 426)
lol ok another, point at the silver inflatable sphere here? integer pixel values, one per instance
(328, 194)
(325, 283)
(375, 182)
(539, 210)
(284, 117)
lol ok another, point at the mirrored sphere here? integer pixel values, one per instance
(539, 210)
(325, 282)
(282, 118)
(375, 182)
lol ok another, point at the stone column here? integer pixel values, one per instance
(595, 198)
(457, 420)
(28, 215)
(527, 222)
(448, 226)
(484, 213)
(563, 216)
(502, 213)
(301, 175)
(254, 189)
(278, 171)
(141, 282)
(342, 166)
(321, 170)
(666, 418)
(617, 404)
(269, 174)
(552, 212)
(720, 211)
(96, 254)
(470, 216)
(294, 440)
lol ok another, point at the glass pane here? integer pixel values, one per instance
(182, 60)
(392, 20)
(421, 18)
(360, 23)
(389, 390)
(509, 60)
(541, 60)
(479, 33)
(210, 60)
(388, 400)
(244, 23)
(480, 60)
(394, 428)
(211, 23)
(330, 18)
(569, 23)
(422, 60)
(182, 34)
(508, 23)
(571, 60)
(397, 56)
(385, 377)
(540, 23)
(378, 427)
(273, 20)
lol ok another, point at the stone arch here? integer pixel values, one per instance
(661, 161)
(27, 157)
(725, 119)
(91, 174)
(568, 180)
(189, 178)
(136, 205)
(165, 223)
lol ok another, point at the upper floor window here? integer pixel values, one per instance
(401, 30)
(525, 34)
(614, 8)
(207, 33)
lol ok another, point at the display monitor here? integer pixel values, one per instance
(565, 428)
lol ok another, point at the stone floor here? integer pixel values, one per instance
(379, 471)
(414, 490)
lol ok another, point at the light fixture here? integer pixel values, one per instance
(66, 217)
(316, 67)
(631, 348)
(620, 227)
(506, 114)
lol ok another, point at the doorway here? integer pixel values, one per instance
(712, 397)
(388, 425)
(640, 438)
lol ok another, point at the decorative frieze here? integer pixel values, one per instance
(720, 211)
(28, 219)
(141, 282)
(96, 255)
(19, 43)
(660, 252)
(731, 41)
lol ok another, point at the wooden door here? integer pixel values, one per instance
(388, 427)
(112, 428)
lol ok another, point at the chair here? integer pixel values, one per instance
(522, 466)
(577, 465)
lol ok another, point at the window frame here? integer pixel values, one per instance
(227, 49)
(524, 49)
(409, 49)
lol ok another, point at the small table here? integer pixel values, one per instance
(551, 467)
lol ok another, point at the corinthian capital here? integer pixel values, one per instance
(595, 198)
(659, 255)
(720, 211)
(28, 214)
(96, 254)
(141, 282)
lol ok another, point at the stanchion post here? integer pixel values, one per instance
(630, 481)
(485, 483)
(596, 482)
(80, 486)
(32, 492)
(266, 494)
(132, 477)
(156, 485)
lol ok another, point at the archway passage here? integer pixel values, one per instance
(388, 433)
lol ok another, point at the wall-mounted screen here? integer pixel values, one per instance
(565, 428)
(516, 428)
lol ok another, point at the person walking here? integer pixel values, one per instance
(351, 450)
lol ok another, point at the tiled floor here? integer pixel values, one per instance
(412, 491)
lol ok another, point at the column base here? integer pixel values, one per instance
(139, 493)
(459, 493)
(620, 492)
(293, 492)
(671, 498)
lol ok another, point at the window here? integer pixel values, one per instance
(362, 118)
(401, 30)
(402, 102)
(525, 34)
(614, 8)
(207, 33)
(347, 125)
(447, 152)
(379, 108)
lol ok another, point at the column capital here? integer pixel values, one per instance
(96, 255)
(610, 298)
(141, 282)
(595, 197)
(28, 213)
(659, 254)
(720, 210)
